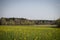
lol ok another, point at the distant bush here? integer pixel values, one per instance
(58, 23)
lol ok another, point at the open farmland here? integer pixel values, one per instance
(29, 33)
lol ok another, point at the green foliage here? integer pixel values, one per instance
(3, 21)
(58, 22)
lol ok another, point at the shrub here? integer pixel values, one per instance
(58, 22)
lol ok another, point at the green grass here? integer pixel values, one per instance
(29, 33)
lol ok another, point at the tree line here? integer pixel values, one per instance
(15, 21)
(24, 21)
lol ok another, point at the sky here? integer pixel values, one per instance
(30, 9)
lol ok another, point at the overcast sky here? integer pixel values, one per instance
(30, 9)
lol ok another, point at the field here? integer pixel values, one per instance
(29, 33)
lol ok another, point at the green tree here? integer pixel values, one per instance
(11, 22)
(58, 22)
(3, 21)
